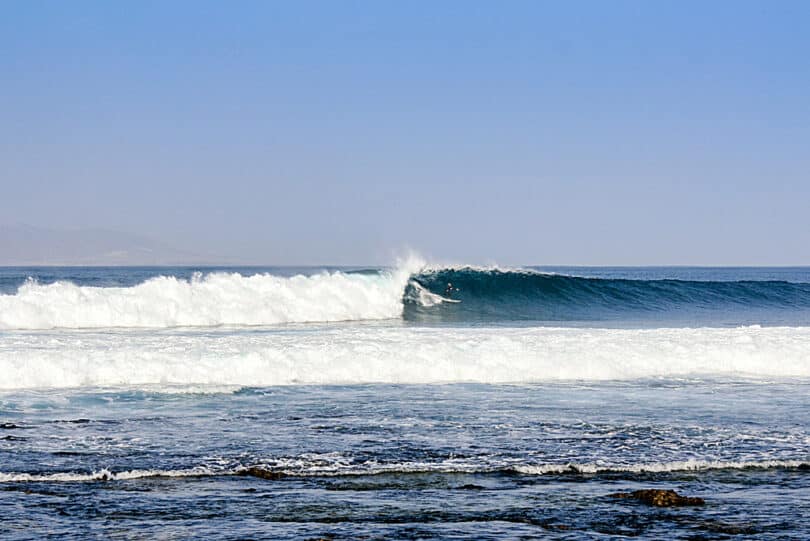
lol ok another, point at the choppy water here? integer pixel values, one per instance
(361, 403)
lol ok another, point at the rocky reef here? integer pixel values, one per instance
(659, 498)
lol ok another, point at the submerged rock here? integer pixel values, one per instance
(659, 498)
(261, 473)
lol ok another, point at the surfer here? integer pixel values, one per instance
(448, 291)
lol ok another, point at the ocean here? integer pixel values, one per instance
(411, 402)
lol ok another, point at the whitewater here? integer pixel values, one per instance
(374, 354)
(206, 300)
(418, 401)
(412, 291)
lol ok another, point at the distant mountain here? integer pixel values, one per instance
(28, 245)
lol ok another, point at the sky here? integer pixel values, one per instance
(537, 132)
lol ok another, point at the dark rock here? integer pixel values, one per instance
(471, 487)
(804, 466)
(659, 498)
(261, 473)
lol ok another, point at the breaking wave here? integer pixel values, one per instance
(209, 300)
(495, 294)
(412, 292)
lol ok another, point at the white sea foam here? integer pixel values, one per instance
(393, 354)
(659, 467)
(210, 300)
(104, 474)
(326, 465)
(427, 298)
(330, 466)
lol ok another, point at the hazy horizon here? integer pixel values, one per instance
(582, 134)
(104, 248)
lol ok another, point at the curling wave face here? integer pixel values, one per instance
(498, 295)
(412, 292)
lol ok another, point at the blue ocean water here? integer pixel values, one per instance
(406, 403)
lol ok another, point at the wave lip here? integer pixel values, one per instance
(504, 294)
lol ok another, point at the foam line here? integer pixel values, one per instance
(355, 354)
(338, 468)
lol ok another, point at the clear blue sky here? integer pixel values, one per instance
(647, 132)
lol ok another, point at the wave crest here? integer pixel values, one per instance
(410, 291)
(503, 294)
(211, 300)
